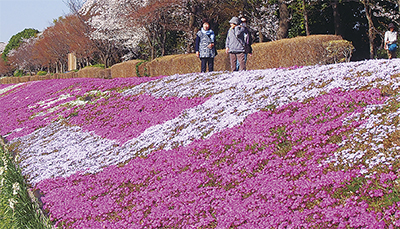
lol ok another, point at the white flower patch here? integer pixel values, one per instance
(14, 131)
(9, 88)
(49, 102)
(372, 133)
(303, 82)
(241, 94)
(12, 203)
(59, 150)
(77, 102)
(16, 188)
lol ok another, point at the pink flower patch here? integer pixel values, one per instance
(123, 118)
(265, 173)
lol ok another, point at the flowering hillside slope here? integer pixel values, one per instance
(307, 147)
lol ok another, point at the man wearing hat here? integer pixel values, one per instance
(390, 41)
(235, 44)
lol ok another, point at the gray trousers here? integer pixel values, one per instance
(240, 57)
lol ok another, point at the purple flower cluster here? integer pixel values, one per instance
(291, 68)
(268, 172)
(4, 85)
(122, 118)
(21, 109)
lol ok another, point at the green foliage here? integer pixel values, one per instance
(17, 39)
(16, 207)
(297, 27)
(220, 35)
(316, 19)
(175, 43)
(96, 66)
(146, 74)
(18, 73)
(143, 51)
(382, 54)
(41, 73)
(339, 50)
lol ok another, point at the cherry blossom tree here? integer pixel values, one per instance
(114, 39)
(5, 69)
(23, 58)
(261, 16)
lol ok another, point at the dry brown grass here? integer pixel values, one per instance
(300, 51)
(68, 75)
(90, 72)
(186, 63)
(126, 69)
(173, 64)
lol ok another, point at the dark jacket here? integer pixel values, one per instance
(247, 39)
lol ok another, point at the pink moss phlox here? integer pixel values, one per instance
(135, 114)
(2, 86)
(264, 173)
(20, 109)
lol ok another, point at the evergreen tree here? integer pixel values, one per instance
(17, 39)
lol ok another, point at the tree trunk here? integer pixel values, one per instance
(152, 52)
(371, 34)
(192, 19)
(164, 39)
(283, 29)
(260, 35)
(62, 67)
(151, 44)
(104, 59)
(336, 18)
(246, 6)
(305, 15)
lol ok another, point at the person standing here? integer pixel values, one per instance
(390, 41)
(204, 46)
(235, 44)
(247, 40)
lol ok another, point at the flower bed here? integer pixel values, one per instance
(300, 147)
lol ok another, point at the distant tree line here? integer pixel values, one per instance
(111, 31)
